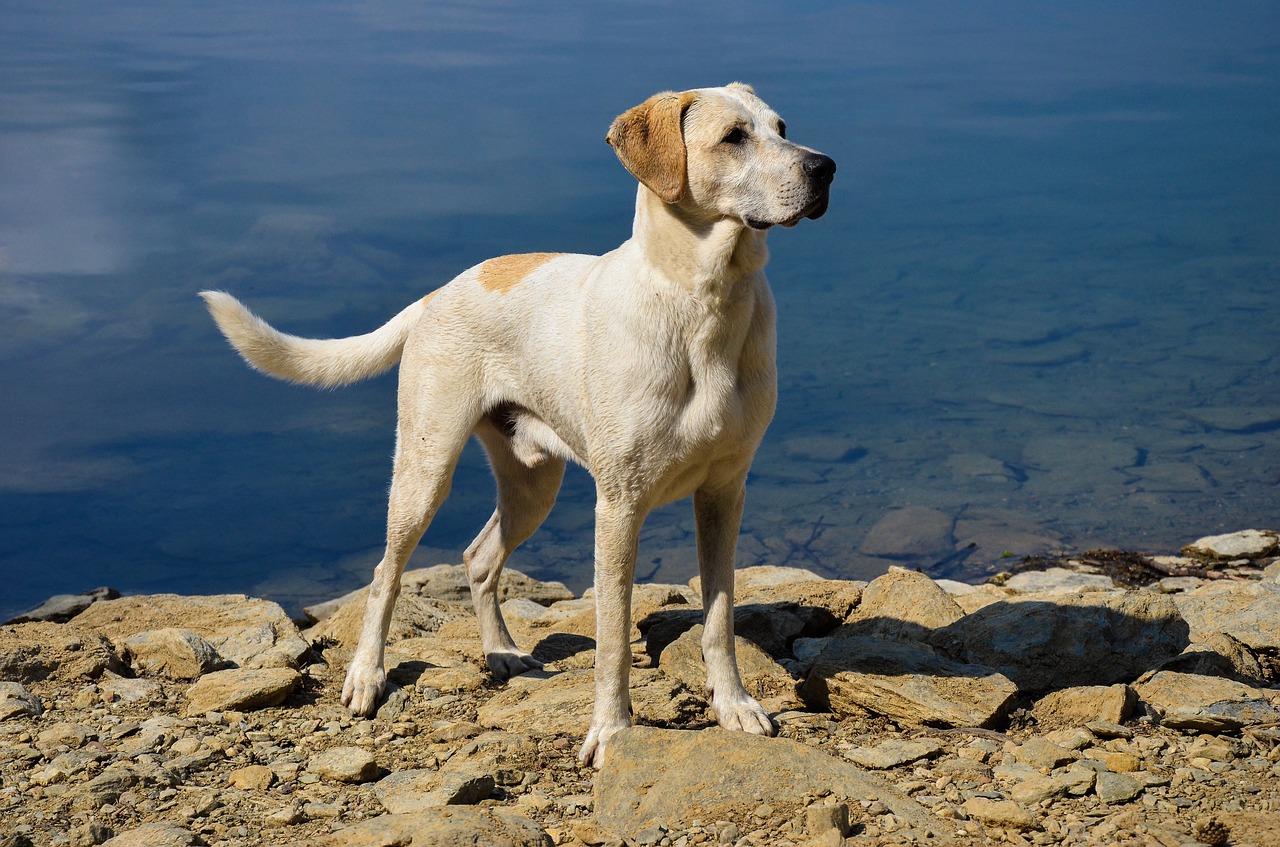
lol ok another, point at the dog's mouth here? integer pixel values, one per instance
(816, 209)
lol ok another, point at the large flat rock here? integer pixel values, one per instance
(1048, 641)
(671, 777)
(447, 826)
(906, 681)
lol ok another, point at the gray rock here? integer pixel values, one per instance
(1246, 544)
(17, 702)
(654, 775)
(344, 764)
(905, 681)
(1205, 703)
(447, 826)
(914, 532)
(1058, 581)
(173, 652)
(407, 792)
(1048, 641)
(104, 788)
(1116, 787)
(251, 633)
(242, 690)
(61, 608)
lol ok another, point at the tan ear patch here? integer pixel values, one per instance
(505, 272)
(649, 142)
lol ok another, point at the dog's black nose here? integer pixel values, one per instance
(819, 168)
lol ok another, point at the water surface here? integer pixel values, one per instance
(1042, 311)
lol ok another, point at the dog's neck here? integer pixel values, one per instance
(706, 256)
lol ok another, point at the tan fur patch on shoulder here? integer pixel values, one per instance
(505, 272)
(430, 294)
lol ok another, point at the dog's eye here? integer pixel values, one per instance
(734, 136)
(782, 128)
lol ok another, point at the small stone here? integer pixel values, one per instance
(252, 778)
(1211, 831)
(288, 816)
(822, 818)
(242, 690)
(61, 608)
(1039, 753)
(1107, 729)
(1246, 544)
(345, 764)
(173, 652)
(1005, 813)
(1118, 762)
(155, 834)
(893, 752)
(1116, 787)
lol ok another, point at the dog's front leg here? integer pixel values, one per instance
(617, 530)
(718, 515)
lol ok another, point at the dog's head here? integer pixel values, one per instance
(722, 152)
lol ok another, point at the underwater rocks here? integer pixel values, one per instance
(1047, 710)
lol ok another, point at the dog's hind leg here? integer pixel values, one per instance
(525, 496)
(427, 451)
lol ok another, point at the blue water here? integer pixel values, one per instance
(1043, 305)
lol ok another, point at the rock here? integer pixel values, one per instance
(1036, 789)
(759, 577)
(412, 617)
(448, 826)
(33, 652)
(344, 764)
(914, 532)
(252, 778)
(1039, 753)
(104, 788)
(761, 675)
(1044, 642)
(654, 775)
(1249, 613)
(251, 633)
(1204, 703)
(242, 690)
(121, 689)
(1246, 544)
(894, 752)
(906, 682)
(770, 626)
(61, 608)
(17, 702)
(1116, 787)
(902, 604)
(1074, 706)
(155, 834)
(562, 703)
(836, 597)
(1058, 581)
(1004, 813)
(172, 652)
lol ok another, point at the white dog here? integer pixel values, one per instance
(652, 366)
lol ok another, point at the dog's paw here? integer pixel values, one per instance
(506, 664)
(363, 688)
(744, 714)
(592, 752)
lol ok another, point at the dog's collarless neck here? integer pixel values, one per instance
(711, 255)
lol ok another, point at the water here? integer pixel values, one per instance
(1042, 311)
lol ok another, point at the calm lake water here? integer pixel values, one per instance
(1042, 312)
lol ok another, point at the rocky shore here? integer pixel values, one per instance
(1096, 699)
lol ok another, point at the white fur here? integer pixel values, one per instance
(652, 366)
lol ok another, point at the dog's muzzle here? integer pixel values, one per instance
(820, 170)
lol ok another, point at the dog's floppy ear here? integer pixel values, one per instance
(650, 142)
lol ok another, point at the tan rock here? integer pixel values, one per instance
(902, 604)
(242, 690)
(1205, 703)
(155, 834)
(1075, 706)
(412, 617)
(1003, 813)
(758, 577)
(252, 778)
(447, 826)
(250, 632)
(905, 681)
(761, 675)
(32, 652)
(344, 764)
(1246, 544)
(837, 597)
(654, 775)
(172, 652)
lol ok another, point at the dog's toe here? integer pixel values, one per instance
(505, 665)
(745, 715)
(362, 688)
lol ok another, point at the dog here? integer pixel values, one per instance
(653, 366)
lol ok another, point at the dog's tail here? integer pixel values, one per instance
(322, 362)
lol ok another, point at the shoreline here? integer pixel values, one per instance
(1051, 705)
